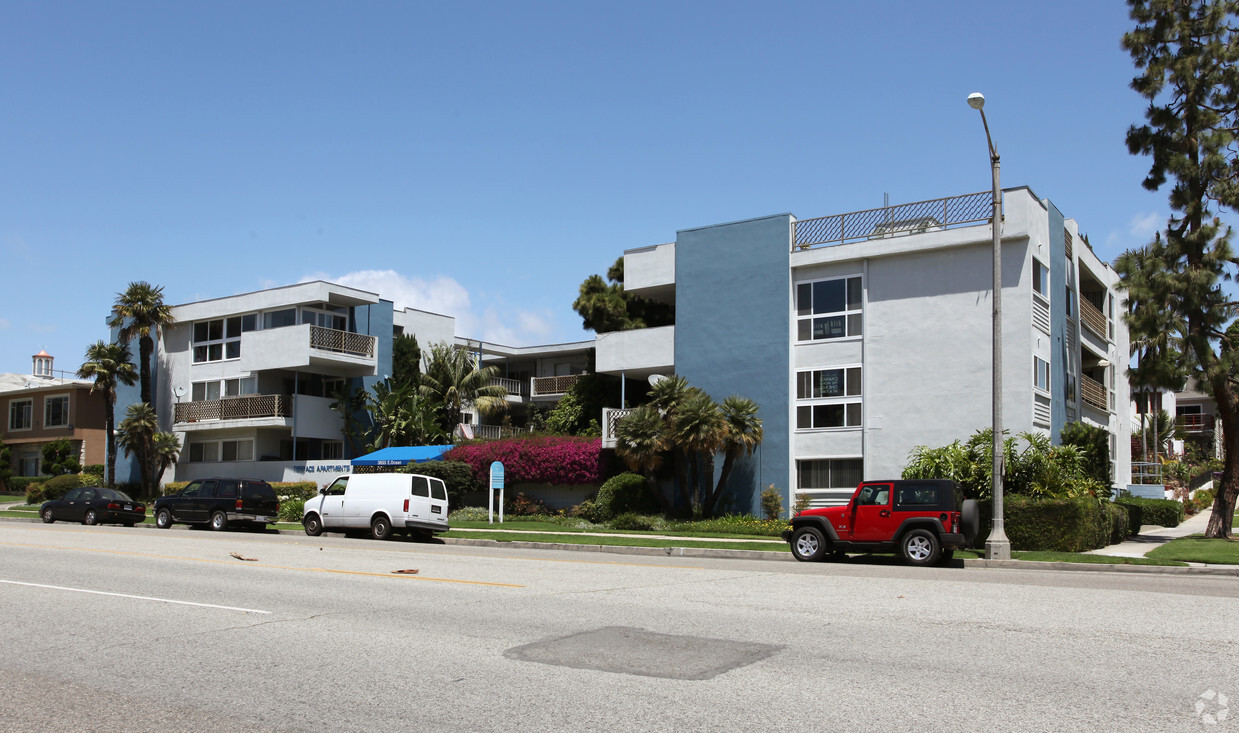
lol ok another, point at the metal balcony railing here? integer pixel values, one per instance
(890, 221)
(342, 342)
(1195, 423)
(1093, 319)
(547, 386)
(235, 408)
(470, 431)
(515, 387)
(1094, 393)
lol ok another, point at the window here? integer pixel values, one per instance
(221, 338)
(1041, 374)
(828, 398)
(333, 450)
(279, 319)
(834, 473)
(56, 411)
(21, 414)
(1041, 279)
(216, 389)
(222, 450)
(828, 309)
(326, 316)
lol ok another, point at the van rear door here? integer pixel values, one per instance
(419, 499)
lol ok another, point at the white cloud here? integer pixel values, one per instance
(1146, 225)
(511, 327)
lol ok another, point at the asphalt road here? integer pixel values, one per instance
(115, 629)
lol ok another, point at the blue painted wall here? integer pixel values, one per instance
(127, 470)
(732, 335)
(1058, 322)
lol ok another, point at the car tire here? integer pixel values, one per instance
(380, 528)
(969, 520)
(48, 517)
(808, 544)
(91, 518)
(163, 519)
(920, 547)
(219, 521)
(313, 525)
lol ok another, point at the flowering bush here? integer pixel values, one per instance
(541, 459)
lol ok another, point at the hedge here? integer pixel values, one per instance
(558, 460)
(627, 493)
(1160, 512)
(1062, 525)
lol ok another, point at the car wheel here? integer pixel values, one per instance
(219, 521)
(380, 528)
(163, 519)
(969, 520)
(920, 547)
(808, 544)
(90, 518)
(48, 518)
(313, 525)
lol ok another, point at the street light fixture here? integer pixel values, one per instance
(997, 547)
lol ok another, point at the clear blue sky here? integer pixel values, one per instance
(482, 158)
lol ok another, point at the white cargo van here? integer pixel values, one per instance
(382, 503)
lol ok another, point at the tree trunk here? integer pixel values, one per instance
(109, 424)
(145, 347)
(712, 500)
(1219, 526)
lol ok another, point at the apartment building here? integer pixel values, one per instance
(41, 408)
(864, 335)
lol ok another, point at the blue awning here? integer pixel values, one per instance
(402, 455)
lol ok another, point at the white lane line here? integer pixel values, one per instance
(140, 598)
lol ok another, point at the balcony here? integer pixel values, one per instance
(1197, 423)
(247, 407)
(515, 387)
(310, 348)
(543, 387)
(469, 431)
(1094, 320)
(1094, 393)
(610, 418)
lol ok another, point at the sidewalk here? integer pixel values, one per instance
(1152, 536)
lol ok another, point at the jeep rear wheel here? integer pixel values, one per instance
(808, 544)
(920, 547)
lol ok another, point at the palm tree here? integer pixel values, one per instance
(165, 449)
(698, 430)
(743, 433)
(455, 382)
(136, 435)
(641, 443)
(140, 312)
(109, 365)
(666, 396)
(400, 418)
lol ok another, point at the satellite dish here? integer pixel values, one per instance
(656, 378)
(179, 392)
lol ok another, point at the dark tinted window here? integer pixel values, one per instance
(228, 490)
(258, 490)
(421, 486)
(74, 495)
(192, 489)
(208, 489)
(113, 495)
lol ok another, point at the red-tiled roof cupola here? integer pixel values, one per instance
(43, 364)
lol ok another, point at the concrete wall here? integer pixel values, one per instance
(733, 335)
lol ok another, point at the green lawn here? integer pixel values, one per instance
(1195, 548)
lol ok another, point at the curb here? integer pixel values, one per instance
(704, 552)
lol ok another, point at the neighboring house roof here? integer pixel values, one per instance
(402, 455)
(10, 382)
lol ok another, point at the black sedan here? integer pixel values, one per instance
(93, 505)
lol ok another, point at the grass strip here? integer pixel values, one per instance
(1197, 548)
(580, 539)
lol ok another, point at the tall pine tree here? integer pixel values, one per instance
(1185, 52)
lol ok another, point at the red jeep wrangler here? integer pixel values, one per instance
(924, 519)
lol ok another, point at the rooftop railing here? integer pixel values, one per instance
(890, 221)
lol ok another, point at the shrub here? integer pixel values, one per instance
(172, 488)
(469, 514)
(771, 502)
(57, 487)
(536, 460)
(457, 477)
(523, 505)
(625, 493)
(1202, 500)
(18, 484)
(1120, 527)
(587, 510)
(1062, 525)
(1159, 512)
(93, 474)
(631, 521)
(34, 493)
(293, 496)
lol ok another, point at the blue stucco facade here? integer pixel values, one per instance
(733, 335)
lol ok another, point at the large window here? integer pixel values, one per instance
(333, 450)
(326, 316)
(21, 414)
(828, 309)
(831, 473)
(222, 450)
(828, 398)
(220, 388)
(220, 339)
(56, 411)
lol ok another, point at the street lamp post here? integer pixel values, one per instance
(997, 547)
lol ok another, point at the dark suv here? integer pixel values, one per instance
(925, 520)
(219, 502)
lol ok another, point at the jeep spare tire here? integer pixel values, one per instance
(969, 520)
